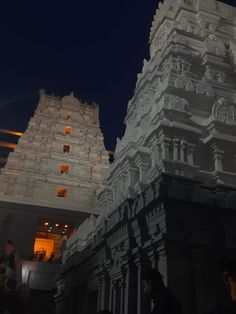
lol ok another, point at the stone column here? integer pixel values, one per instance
(182, 150)
(143, 172)
(139, 287)
(102, 293)
(176, 149)
(126, 294)
(111, 294)
(165, 145)
(190, 150)
(131, 176)
(218, 156)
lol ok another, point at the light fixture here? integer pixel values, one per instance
(49, 230)
(56, 225)
(46, 223)
(66, 226)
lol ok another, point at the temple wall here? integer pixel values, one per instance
(175, 225)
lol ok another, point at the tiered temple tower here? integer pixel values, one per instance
(169, 198)
(60, 160)
(182, 117)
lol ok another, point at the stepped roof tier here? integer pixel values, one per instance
(60, 160)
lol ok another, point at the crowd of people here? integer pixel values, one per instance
(12, 299)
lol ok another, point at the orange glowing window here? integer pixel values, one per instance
(66, 148)
(43, 247)
(64, 169)
(67, 130)
(62, 192)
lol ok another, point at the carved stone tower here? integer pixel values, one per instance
(60, 160)
(169, 198)
(182, 117)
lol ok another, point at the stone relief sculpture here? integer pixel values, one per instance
(224, 112)
(215, 46)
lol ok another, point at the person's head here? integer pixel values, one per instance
(9, 248)
(152, 282)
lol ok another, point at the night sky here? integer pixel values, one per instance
(92, 47)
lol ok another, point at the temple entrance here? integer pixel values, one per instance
(50, 239)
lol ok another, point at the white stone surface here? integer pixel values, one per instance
(32, 174)
(183, 112)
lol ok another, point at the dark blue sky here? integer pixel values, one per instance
(92, 47)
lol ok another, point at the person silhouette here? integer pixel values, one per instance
(163, 299)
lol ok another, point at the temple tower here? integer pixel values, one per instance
(60, 160)
(182, 117)
(169, 197)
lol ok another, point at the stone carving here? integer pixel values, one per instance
(215, 46)
(224, 112)
(225, 11)
(176, 103)
(186, 26)
(186, 83)
(42, 151)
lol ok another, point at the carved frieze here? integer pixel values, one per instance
(215, 46)
(224, 112)
(175, 103)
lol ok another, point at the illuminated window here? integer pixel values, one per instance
(64, 169)
(61, 192)
(66, 148)
(67, 130)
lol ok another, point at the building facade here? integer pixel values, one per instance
(60, 159)
(51, 178)
(168, 200)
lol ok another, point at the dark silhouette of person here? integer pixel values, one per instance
(7, 259)
(163, 299)
(10, 299)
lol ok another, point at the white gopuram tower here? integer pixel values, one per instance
(182, 117)
(60, 160)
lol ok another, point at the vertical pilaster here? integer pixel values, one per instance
(190, 150)
(176, 150)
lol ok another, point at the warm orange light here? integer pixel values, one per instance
(67, 130)
(44, 245)
(57, 225)
(7, 145)
(11, 132)
(62, 192)
(64, 168)
(46, 223)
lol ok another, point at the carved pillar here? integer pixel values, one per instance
(218, 157)
(111, 295)
(114, 297)
(190, 150)
(176, 149)
(165, 145)
(139, 287)
(182, 150)
(154, 157)
(126, 293)
(102, 293)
